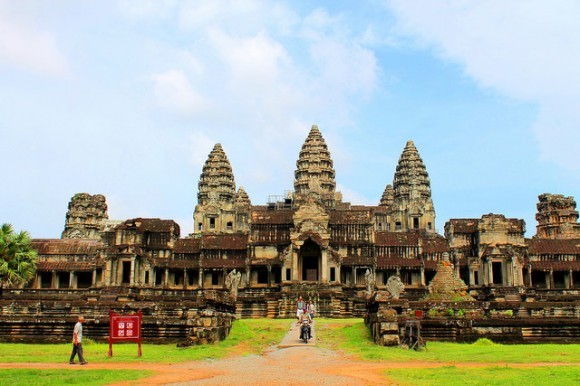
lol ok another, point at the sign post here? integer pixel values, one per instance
(124, 328)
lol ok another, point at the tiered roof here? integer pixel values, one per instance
(411, 174)
(388, 196)
(217, 177)
(314, 166)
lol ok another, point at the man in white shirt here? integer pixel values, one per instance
(77, 342)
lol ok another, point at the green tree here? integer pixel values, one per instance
(17, 258)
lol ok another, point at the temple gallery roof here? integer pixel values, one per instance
(549, 246)
(65, 246)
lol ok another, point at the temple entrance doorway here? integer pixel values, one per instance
(497, 268)
(126, 277)
(310, 258)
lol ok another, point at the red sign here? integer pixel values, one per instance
(124, 328)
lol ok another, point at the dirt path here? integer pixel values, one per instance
(295, 363)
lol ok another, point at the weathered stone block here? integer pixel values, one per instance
(389, 340)
(389, 326)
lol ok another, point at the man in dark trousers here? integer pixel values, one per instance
(78, 342)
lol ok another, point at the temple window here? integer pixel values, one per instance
(212, 223)
(230, 225)
(262, 276)
(415, 223)
(332, 274)
(398, 226)
(429, 225)
(199, 226)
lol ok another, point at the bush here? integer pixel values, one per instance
(484, 342)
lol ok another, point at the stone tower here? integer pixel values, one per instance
(557, 217)
(314, 175)
(219, 209)
(412, 205)
(86, 217)
(388, 196)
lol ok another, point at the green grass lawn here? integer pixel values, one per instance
(496, 375)
(248, 336)
(36, 377)
(353, 337)
(252, 336)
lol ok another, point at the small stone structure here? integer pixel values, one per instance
(446, 286)
(382, 317)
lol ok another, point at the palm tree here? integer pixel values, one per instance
(17, 258)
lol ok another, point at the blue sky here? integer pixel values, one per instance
(127, 99)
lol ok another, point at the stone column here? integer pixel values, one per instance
(200, 278)
(108, 273)
(132, 275)
(295, 265)
(166, 277)
(570, 279)
(423, 284)
(71, 280)
(353, 272)
(489, 272)
(269, 267)
(530, 276)
(471, 277)
(184, 278)
(551, 278)
(324, 267)
(509, 280)
(54, 283)
(94, 280)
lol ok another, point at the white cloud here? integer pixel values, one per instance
(355, 198)
(147, 9)
(528, 50)
(174, 92)
(26, 45)
(255, 61)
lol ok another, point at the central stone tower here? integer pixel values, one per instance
(314, 175)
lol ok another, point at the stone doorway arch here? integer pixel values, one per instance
(309, 261)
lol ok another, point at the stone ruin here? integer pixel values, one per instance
(446, 286)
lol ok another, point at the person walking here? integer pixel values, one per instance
(300, 306)
(78, 342)
(311, 309)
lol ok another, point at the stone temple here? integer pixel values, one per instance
(310, 243)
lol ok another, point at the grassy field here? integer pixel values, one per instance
(481, 363)
(248, 336)
(352, 337)
(36, 377)
(492, 375)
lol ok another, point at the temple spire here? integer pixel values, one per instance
(314, 173)
(219, 208)
(217, 178)
(412, 206)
